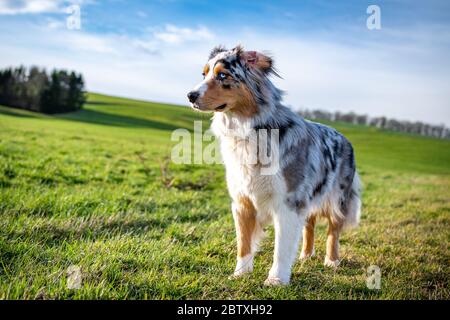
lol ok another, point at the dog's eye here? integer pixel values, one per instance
(221, 76)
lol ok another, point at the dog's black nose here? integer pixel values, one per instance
(193, 96)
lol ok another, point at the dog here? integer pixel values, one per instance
(315, 177)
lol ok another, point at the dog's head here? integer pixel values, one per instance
(233, 80)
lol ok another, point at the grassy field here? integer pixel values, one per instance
(95, 189)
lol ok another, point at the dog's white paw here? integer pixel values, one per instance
(236, 275)
(244, 265)
(331, 263)
(304, 255)
(239, 273)
(274, 281)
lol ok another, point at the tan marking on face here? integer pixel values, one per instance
(245, 225)
(219, 68)
(205, 70)
(238, 97)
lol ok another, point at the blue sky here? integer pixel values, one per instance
(327, 56)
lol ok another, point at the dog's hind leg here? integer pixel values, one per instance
(332, 253)
(349, 209)
(288, 225)
(248, 232)
(308, 238)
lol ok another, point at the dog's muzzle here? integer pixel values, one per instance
(193, 96)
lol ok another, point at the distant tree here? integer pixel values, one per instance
(34, 87)
(447, 133)
(361, 119)
(34, 90)
(305, 113)
(348, 117)
(337, 116)
(417, 127)
(76, 97)
(51, 98)
(5, 86)
(382, 122)
(320, 114)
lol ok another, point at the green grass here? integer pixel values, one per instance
(95, 189)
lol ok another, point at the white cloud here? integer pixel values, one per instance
(176, 35)
(55, 23)
(77, 42)
(12, 7)
(141, 14)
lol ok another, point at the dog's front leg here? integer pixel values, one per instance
(288, 226)
(248, 232)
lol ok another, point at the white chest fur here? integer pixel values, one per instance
(244, 177)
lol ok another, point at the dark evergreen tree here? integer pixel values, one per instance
(75, 97)
(34, 90)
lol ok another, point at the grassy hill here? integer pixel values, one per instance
(96, 189)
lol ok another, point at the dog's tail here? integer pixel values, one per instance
(353, 214)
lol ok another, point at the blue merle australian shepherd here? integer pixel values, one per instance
(315, 177)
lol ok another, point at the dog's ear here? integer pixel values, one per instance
(258, 60)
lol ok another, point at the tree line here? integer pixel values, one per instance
(33, 89)
(417, 127)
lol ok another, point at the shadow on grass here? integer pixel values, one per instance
(104, 103)
(16, 112)
(102, 118)
(105, 228)
(93, 117)
(52, 235)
